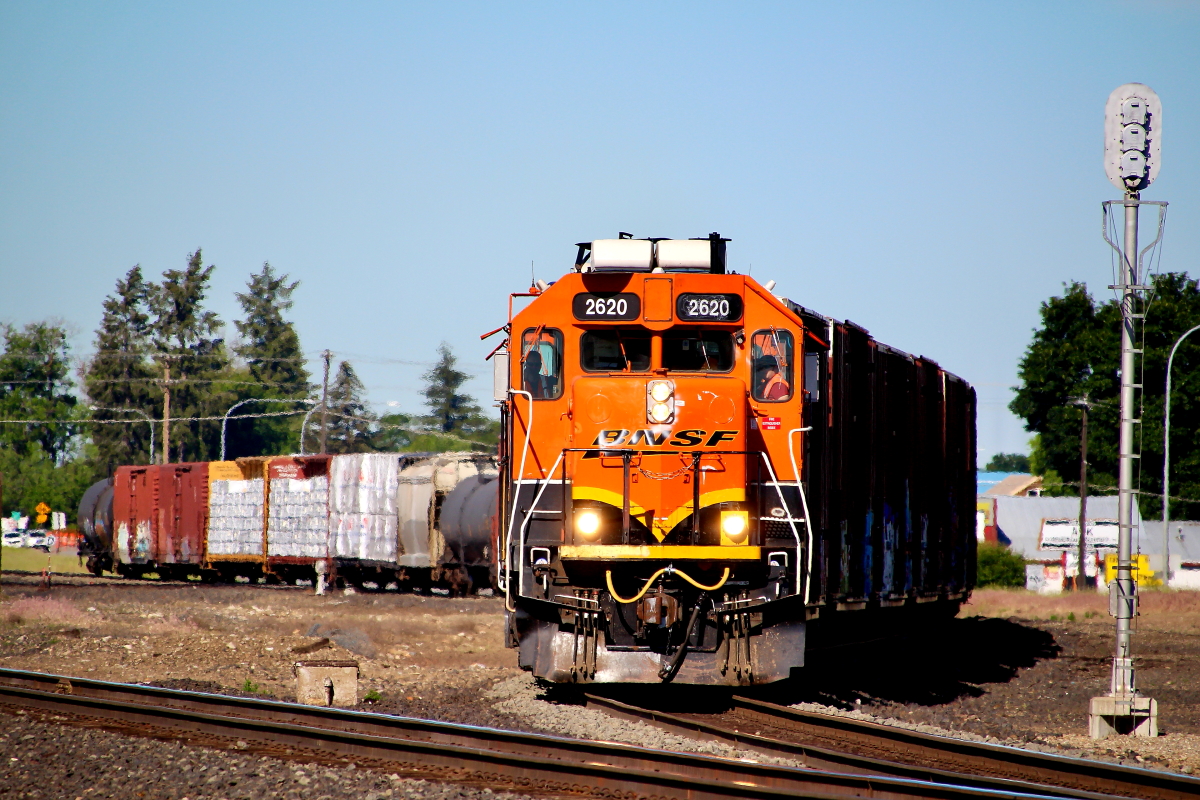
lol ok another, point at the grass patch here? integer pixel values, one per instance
(372, 697)
(26, 559)
(250, 686)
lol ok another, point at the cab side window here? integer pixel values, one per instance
(541, 363)
(773, 365)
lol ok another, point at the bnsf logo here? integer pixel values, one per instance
(650, 438)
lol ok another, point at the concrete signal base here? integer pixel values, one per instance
(326, 683)
(1122, 715)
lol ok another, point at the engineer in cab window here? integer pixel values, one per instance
(772, 359)
(541, 375)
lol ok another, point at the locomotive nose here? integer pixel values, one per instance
(656, 449)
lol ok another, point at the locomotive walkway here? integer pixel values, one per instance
(841, 744)
(537, 764)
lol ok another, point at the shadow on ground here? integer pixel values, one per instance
(931, 666)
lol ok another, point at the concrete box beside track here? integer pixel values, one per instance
(326, 683)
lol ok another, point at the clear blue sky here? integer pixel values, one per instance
(929, 171)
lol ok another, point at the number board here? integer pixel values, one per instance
(715, 307)
(623, 306)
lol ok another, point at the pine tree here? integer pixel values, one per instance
(449, 410)
(185, 340)
(35, 383)
(350, 422)
(270, 347)
(120, 377)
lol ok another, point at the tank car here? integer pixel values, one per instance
(696, 473)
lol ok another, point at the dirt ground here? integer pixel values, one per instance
(1014, 666)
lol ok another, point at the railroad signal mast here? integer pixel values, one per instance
(1132, 156)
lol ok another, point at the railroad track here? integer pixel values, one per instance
(537, 764)
(842, 744)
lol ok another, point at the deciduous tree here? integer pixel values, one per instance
(1075, 352)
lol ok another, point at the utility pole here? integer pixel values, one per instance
(327, 355)
(166, 430)
(1082, 580)
(1132, 147)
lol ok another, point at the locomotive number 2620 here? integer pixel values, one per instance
(620, 306)
(724, 307)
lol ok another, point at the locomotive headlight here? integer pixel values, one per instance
(588, 524)
(660, 401)
(735, 527)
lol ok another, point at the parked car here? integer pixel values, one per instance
(39, 540)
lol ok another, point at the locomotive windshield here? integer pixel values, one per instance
(615, 350)
(698, 350)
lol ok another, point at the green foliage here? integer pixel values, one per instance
(372, 696)
(34, 477)
(35, 383)
(350, 421)
(270, 347)
(449, 410)
(184, 337)
(118, 377)
(999, 566)
(250, 687)
(1008, 462)
(1075, 352)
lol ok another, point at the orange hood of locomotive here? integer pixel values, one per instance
(610, 419)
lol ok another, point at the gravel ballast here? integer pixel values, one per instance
(42, 759)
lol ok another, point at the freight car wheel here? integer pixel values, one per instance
(458, 581)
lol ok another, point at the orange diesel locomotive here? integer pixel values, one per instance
(694, 471)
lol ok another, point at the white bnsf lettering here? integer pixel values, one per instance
(647, 437)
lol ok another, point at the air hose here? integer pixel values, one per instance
(654, 577)
(667, 673)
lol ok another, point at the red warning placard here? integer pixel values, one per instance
(770, 423)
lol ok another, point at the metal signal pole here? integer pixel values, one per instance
(1126, 590)
(1132, 156)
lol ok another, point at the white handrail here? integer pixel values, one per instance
(525, 524)
(512, 518)
(786, 508)
(804, 504)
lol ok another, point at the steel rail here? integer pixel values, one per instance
(831, 742)
(463, 753)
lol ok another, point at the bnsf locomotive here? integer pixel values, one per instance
(697, 473)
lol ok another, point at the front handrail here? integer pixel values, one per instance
(512, 518)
